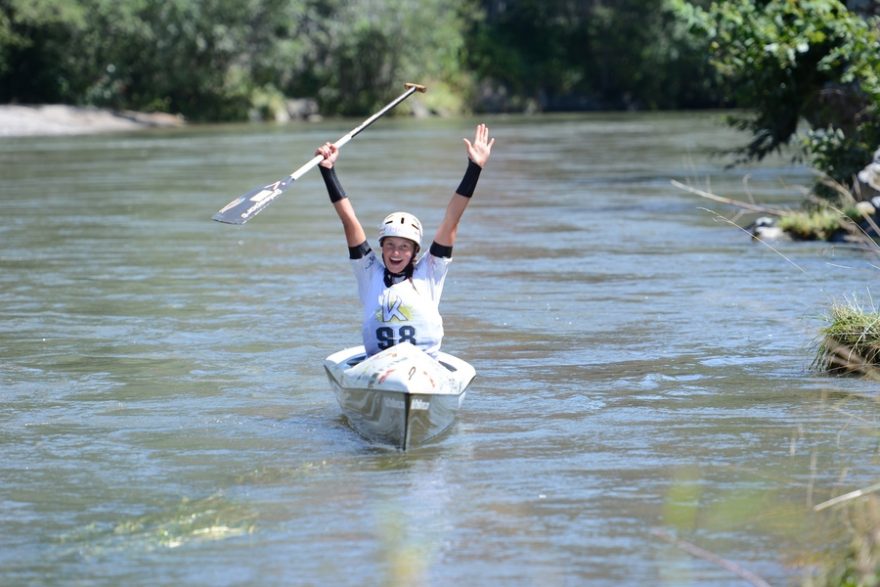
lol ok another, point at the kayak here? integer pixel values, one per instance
(401, 396)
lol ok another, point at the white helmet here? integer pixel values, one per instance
(402, 225)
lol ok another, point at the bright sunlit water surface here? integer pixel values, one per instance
(643, 368)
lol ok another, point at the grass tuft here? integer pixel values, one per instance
(820, 224)
(851, 341)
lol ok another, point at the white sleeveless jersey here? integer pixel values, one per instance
(405, 312)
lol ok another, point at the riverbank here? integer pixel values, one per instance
(47, 120)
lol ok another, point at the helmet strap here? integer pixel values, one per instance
(392, 278)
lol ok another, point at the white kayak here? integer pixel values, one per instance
(400, 396)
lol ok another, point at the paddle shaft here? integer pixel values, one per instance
(356, 131)
(245, 207)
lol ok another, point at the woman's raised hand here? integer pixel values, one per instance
(481, 148)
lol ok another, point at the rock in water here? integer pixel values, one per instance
(869, 178)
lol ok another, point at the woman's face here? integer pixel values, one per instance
(397, 253)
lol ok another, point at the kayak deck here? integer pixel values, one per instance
(400, 396)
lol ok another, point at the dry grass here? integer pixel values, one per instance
(859, 563)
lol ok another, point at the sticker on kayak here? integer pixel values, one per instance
(418, 404)
(390, 402)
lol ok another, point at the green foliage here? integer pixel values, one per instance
(367, 49)
(786, 61)
(224, 59)
(177, 55)
(180, 55)
(34, 39)
(783, 61)
(221, 59)
(526, 48)
(568, 55)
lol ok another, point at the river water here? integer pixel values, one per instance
(643, 369)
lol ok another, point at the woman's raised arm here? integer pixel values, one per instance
(354, 232)
(478, 153)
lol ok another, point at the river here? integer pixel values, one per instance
(643, 369)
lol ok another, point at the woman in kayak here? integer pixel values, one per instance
(399, 292)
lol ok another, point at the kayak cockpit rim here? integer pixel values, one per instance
(360, 358)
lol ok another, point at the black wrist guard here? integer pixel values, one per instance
(441, 251)
(334, 188)
(469, 181)
(360, 251)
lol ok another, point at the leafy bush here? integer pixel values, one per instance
(220, 59)
(791, 61)
(550, 55)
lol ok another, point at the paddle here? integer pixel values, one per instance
(245, 207)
